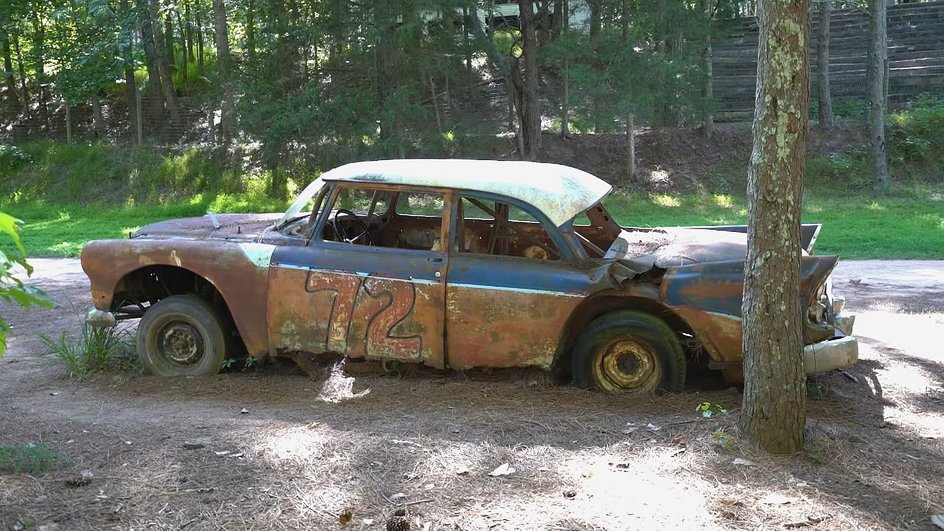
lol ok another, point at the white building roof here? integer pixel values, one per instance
(559, 192)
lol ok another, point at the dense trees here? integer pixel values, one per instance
(329, 80)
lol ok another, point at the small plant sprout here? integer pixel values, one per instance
(708, 410)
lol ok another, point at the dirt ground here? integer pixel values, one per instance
(260, 450)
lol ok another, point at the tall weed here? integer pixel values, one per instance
(96, 350)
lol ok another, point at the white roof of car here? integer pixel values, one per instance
(559, 192)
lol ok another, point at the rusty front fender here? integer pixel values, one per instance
(238, 271)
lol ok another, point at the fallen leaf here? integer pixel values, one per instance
(745, 462)
(938, 520)
(345, 517)
(397, 496)
(503, 469)
(243, 411)
(776, 499)
(653, 427)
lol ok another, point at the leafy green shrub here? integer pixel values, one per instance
(97, 350)
(12, 158)
(851, 108)
(32, 458)
(12, 288)
(916, 137)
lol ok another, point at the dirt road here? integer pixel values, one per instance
(145, 452)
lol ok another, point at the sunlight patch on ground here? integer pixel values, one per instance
(666, 200)
(339, 387)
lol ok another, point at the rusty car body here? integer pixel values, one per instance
(451, 264)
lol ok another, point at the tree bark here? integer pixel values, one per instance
(163, 68)
(201, 64)
(169, 56)
(184, 58)
(8, 76)
(251, 30)
(131, 89)
(878, 91)
(154, 77)
(221, 34)
(24, 90)
(68, 109)
(596, 18)
(630, 146)
(707, 58)
(188, 32)
(774, 408)
(39, 56)
(98, 119)
(531, 111)
(824, 96)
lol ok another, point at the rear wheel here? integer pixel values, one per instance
(181, 335)
(629, 352)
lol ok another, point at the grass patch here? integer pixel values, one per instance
(31, 458)
(96, 351)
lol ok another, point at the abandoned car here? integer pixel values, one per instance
(451, 264)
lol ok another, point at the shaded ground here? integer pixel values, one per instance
(426, 442)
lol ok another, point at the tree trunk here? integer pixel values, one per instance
(201, 65)
(68, 109)
(630, 147)
(24, 91)
(251, 30)
(822, 67)
(596, 18)
(188, 33)
(154, 77)
(131, 89)
(98, 119)
(8, 76)
(708, 125)
(184, 59)
(169, 56)
(163, 68)
(221, 34)
(774, 410)
(39, 56)
(531, 115)
(565, 100)
(878, 91)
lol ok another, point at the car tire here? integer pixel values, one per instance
(629, 352)
(181, 335)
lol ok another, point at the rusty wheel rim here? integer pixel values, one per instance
(628, 365)
(181, 343)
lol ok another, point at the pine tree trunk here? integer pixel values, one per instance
(131, 89)
(774, 409)
(596, 18)
(188, 33)
(68, 109)
(251, 30)
(565, 100)
(221, 34)
(8, 77)
(39, 57)
(163, 68)
(201, 64)
(154, 77)
(184, 58)
(98, 119)
(707, 58)
(531, 115)
(169, 55)
(24, 90)
(878, 91)
(630, 147)
(822, 67)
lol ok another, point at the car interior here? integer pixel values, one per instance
(412, 220)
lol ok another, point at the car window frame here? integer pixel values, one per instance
(567, 253)
(335, 188)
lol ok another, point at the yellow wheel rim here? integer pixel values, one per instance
(628, 365)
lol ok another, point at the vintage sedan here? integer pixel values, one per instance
(450, 264)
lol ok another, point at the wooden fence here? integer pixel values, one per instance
(915, 57)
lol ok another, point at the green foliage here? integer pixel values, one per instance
(12, 159)
(12, 288)
(916, 139)
(850, 108)
(95, 351)
(31, 458)
(708, 410)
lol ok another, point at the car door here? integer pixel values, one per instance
(380, 297)
(512, 284)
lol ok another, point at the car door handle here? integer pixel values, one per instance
(434, 259)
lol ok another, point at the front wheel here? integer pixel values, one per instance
(630, 352)
(181, 335)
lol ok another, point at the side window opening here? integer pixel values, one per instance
(383, 218)
(496, 228)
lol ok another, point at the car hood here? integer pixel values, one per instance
(642, 249)
(241, 227)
